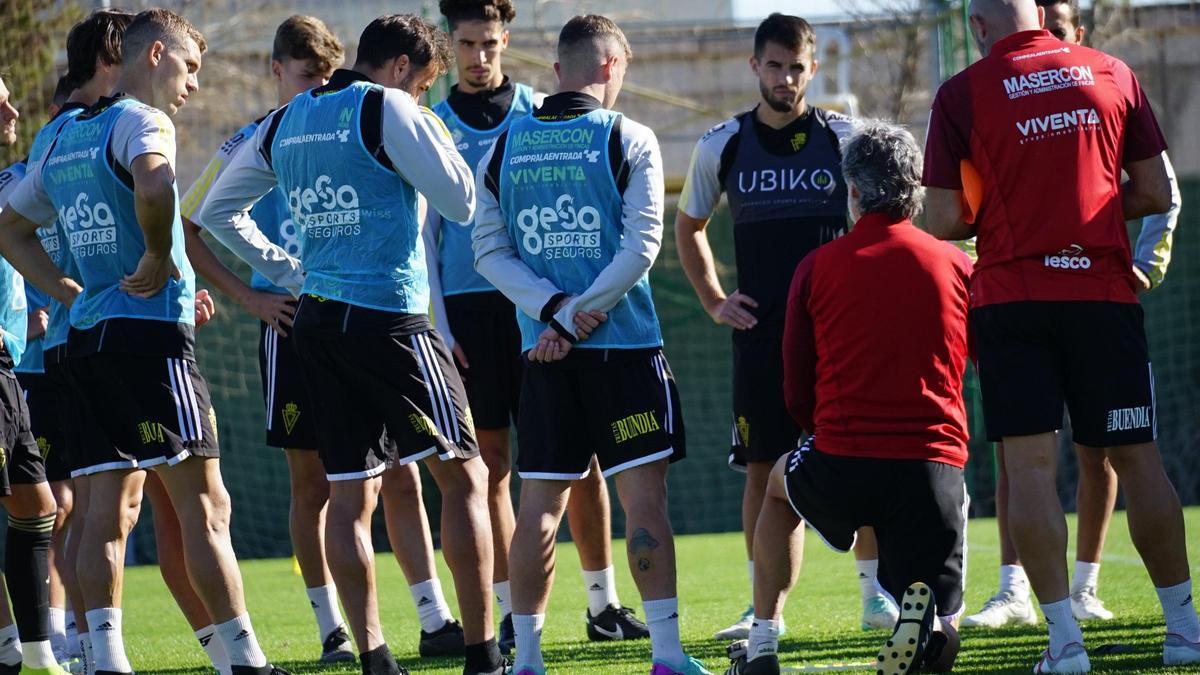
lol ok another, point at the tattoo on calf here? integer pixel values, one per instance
(642, 541)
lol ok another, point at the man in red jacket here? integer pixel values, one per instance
(1054, 309)
(875, 342)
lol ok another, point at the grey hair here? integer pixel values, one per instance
(883, 161)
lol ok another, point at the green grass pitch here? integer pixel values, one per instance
(822, 613)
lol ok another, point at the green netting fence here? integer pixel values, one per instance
(705, 495)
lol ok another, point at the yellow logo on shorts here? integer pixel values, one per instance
(150, 432)
(422, 424)
(743, 429)
(635, 425)
(3, 458)
(43, 444)
(291, 413)
(799, 141)
(470, 418)
(212, 420)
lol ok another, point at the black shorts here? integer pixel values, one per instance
(763, 429)
(149, 411)
(620, 405)
(46, 423)
(291, 418)
(918, 509)
(1035, 356)
(20, 460)
(485, 326)
(365, 385)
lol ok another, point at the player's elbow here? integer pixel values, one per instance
(157, 192)
(459, 211)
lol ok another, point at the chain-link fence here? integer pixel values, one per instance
(690, 71)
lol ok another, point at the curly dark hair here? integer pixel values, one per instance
(457, 11)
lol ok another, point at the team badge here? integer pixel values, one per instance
(291, 413)
(743, 429)
(799, 141)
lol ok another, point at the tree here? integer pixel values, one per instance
(32, 32)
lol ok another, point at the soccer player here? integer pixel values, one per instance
(24, 491)
(304, 55)
(93, 68)
(1055, 315)
(1096, 493)
(44, 421)
(555, 249)
(131, 348)
(485, 339)
(779, 166)
(885, 410)
(350, 157)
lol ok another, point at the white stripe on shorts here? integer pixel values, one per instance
(270, 352)
(179, 404)
(186, 407)
(451, 432)
(660, 366)
(190, 387)
(434, 407)
(1153, 403)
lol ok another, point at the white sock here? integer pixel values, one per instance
(86, 653)
(1180, 611)
(214, 649)
(868, 571)
(37, 654)
(323, 600)
(1087, 575)
(1013, 580)
(58, 633)
(432, 609)
(10, 646)
(764, 639)
(528, 629)
(240, 644)
(108, 649)
(601, 589)
(503, 597)
(1063, 628)
(662, 617)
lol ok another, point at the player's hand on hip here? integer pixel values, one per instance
(150, 276)
(206, 308)
(732, 311)
(274, 309)
(586, 322)
(461, 357)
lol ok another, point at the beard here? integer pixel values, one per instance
(778, 104)
(479, 81)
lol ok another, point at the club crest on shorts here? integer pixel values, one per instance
(743, 430)
(43, 444)
(291, 413)
(212, 420)
(422, 424)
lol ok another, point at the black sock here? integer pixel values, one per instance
(379, 661)
(27, 563)
(483, 657)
